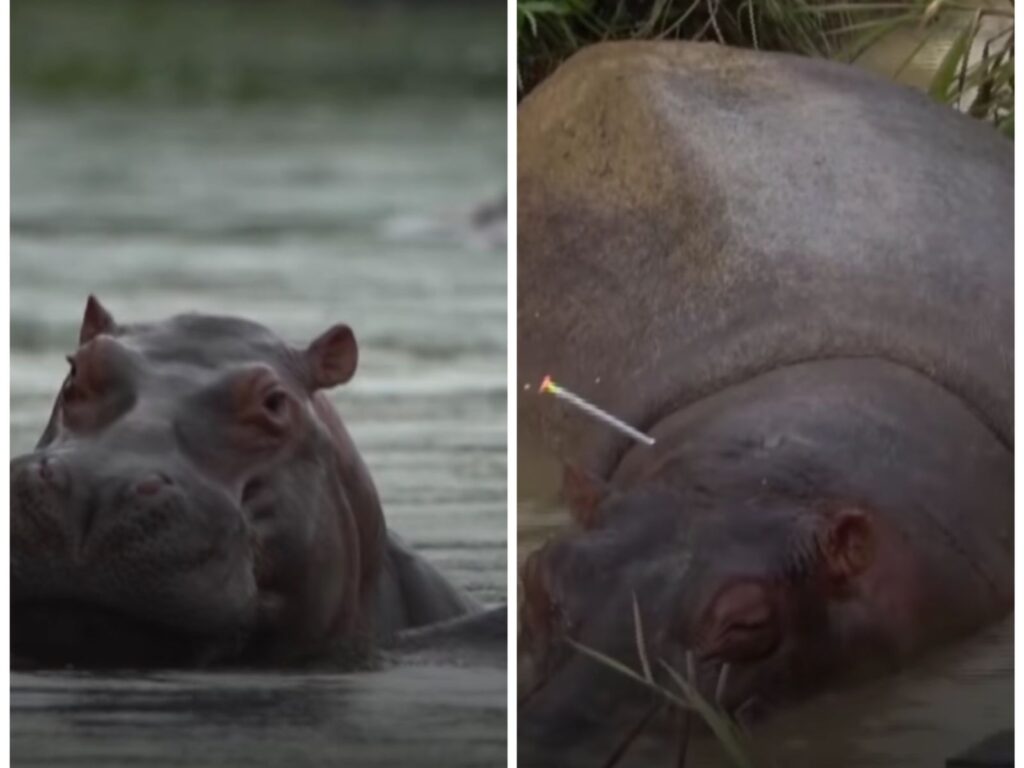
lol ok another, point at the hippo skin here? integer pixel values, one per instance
(196, 500)
(798, 278)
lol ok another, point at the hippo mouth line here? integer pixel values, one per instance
(64, 633)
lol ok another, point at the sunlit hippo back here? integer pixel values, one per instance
(195, 499)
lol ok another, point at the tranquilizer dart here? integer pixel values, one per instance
(572, 398)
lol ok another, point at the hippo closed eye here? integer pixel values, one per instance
(195, 499)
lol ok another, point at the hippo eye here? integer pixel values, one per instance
(275, 402)
(71, 388)
(741, 623)
(264, 404)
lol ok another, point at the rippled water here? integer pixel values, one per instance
(298, 217)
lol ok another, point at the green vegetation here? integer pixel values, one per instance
(243, 51)
(974, 71)
(681, 695)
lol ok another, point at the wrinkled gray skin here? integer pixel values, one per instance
(797, 278)
(196, 500)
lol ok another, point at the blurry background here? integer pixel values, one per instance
(299, 163)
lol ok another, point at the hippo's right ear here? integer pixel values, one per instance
(96, 321)
(847, 540)
(584, 493)
(332, 357)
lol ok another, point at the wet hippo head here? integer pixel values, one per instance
(193, 499)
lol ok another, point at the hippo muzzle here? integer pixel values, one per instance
(119, 560)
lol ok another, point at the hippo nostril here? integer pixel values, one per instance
(152, 484)
(256, 495)
(51, 473)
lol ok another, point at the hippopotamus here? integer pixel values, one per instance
(195, 499)
(797, 278)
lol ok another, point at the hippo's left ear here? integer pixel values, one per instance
(95, 321)
(332, 357)
(583, 493)
(847, 542)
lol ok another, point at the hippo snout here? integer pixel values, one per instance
(101, 544)
(82, 509)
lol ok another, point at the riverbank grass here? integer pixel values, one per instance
(966, 46)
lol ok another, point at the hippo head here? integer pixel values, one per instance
(193, 499)
(754, 598)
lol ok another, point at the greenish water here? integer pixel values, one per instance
(347, 185)
(243, 51)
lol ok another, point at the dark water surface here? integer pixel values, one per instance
(419, 716)
(299, 217)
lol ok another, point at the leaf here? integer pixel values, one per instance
(942, 83)
(725, 730)
(1006, 126)
(931, 12)
(925, 39)
(618, 666)
(873, 32)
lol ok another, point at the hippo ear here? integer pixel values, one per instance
(848, 544)
(96, 321)
(332, 357)
(584, 493)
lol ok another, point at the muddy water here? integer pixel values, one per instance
(919, 718)
(298, 217)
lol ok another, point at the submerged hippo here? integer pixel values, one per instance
(195, 499)
(798, 279)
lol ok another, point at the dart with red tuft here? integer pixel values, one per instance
(548, 386)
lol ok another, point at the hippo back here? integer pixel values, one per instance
(693, 215)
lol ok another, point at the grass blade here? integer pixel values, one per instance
(726, 732)
(641, 647)
(941, 86)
